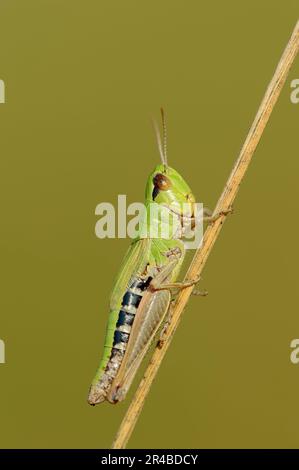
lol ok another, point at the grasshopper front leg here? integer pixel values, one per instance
(210, 218)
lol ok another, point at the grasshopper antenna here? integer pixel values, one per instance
(158, 137)
(161, 146)
(164, 137)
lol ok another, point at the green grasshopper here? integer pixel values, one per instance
(141, 296)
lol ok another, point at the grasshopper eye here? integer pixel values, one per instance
(161, 182)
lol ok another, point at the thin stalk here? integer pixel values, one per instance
(224, 204)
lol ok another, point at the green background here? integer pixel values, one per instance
(82, 80)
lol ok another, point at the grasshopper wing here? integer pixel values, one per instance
(133, 264)
(149, 316)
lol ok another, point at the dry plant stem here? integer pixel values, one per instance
(224, 203)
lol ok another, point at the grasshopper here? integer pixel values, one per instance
(147, 278)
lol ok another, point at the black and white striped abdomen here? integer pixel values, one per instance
(126, 316)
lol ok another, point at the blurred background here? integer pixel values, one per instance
(82, 82)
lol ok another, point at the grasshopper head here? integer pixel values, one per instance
(166, 186)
